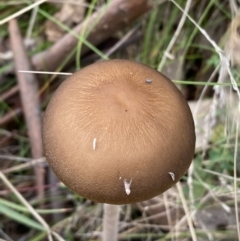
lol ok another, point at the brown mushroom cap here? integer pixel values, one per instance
(118, 132)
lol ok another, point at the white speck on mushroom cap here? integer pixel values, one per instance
(94, 143)
(148, 81)
(127, 186)
(172, 175)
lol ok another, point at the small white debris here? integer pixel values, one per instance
(172, 175)
(127, 186)
(6, 56)
(169, 55)
(148, 81)
(120, 178)
(94, 143)
(146, 208)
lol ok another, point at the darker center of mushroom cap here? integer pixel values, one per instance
(121, 98)
(106, 124)
(120, 108)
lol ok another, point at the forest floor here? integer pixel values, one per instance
(195, 43)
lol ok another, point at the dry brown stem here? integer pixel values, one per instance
(10, 116)
(9, 93)
(30, 100)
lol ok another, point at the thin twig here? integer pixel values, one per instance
(32, 22)
(9, 116)
(9, 93)
(121, 41)
(14, 158)
(43, 72)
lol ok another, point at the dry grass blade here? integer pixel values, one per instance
(21, 12)
(10, 115)
(175, 36)
(43, 72)
(29, 164)
(187, 212)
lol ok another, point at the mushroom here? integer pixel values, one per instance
(118, 132)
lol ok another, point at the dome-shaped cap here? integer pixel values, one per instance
(118, 132)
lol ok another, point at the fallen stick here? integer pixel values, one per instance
(28, 87)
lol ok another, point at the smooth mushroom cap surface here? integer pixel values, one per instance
(118, 132)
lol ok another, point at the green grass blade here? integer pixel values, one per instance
(8, 212)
